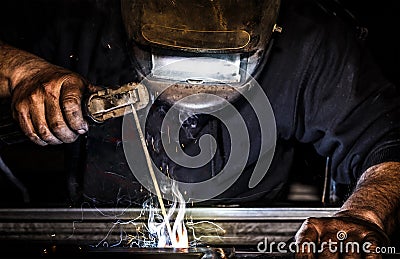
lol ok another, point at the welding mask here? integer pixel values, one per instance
(186, 47)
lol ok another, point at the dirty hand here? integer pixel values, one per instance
(336, 237)
(47, 105)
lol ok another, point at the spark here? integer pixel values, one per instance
(152, 143)
(148, 228)
(213, 227)
(152, 228)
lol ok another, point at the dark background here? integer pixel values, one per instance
(45, 168)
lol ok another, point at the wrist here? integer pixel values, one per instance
(376, 197)
(16, 66)
(29, 70)
(361, 213)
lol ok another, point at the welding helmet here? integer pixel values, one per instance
(213, 44)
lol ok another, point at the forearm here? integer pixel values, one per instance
(377, 196)
(15, 66)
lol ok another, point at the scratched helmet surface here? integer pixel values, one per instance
(216, 42)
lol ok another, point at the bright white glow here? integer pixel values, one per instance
(157, 227)
(207, 69)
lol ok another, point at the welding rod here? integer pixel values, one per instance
(150, 167)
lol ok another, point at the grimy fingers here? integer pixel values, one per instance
(305, 236)
(71, 95)
(372, 248)
(22, 114)
(55, 118)
(38, 117)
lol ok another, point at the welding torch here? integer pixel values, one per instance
(115, 102)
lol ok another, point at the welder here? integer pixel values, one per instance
(321, 83)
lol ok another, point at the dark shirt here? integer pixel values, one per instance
(320, 81)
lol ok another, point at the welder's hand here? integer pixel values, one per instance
(47, 105)
(335, 237)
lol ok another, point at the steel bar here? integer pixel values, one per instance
(107, 226)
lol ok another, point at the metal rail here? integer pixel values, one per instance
(107, 226)
(209, 213)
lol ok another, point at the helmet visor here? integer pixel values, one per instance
(201, 25)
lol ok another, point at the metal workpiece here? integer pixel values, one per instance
(110, 103)
(201, 213)
(176, 253)
(108, 227)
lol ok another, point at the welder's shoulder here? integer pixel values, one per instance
(312, 31)
(316, 18)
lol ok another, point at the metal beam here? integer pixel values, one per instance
(107, 226)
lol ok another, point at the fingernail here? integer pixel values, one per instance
(56, 142)
(83, 129)
(34, 138)
(41, 142)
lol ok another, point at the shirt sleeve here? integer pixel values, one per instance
(347, 109)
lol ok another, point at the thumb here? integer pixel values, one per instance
(71, 96)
